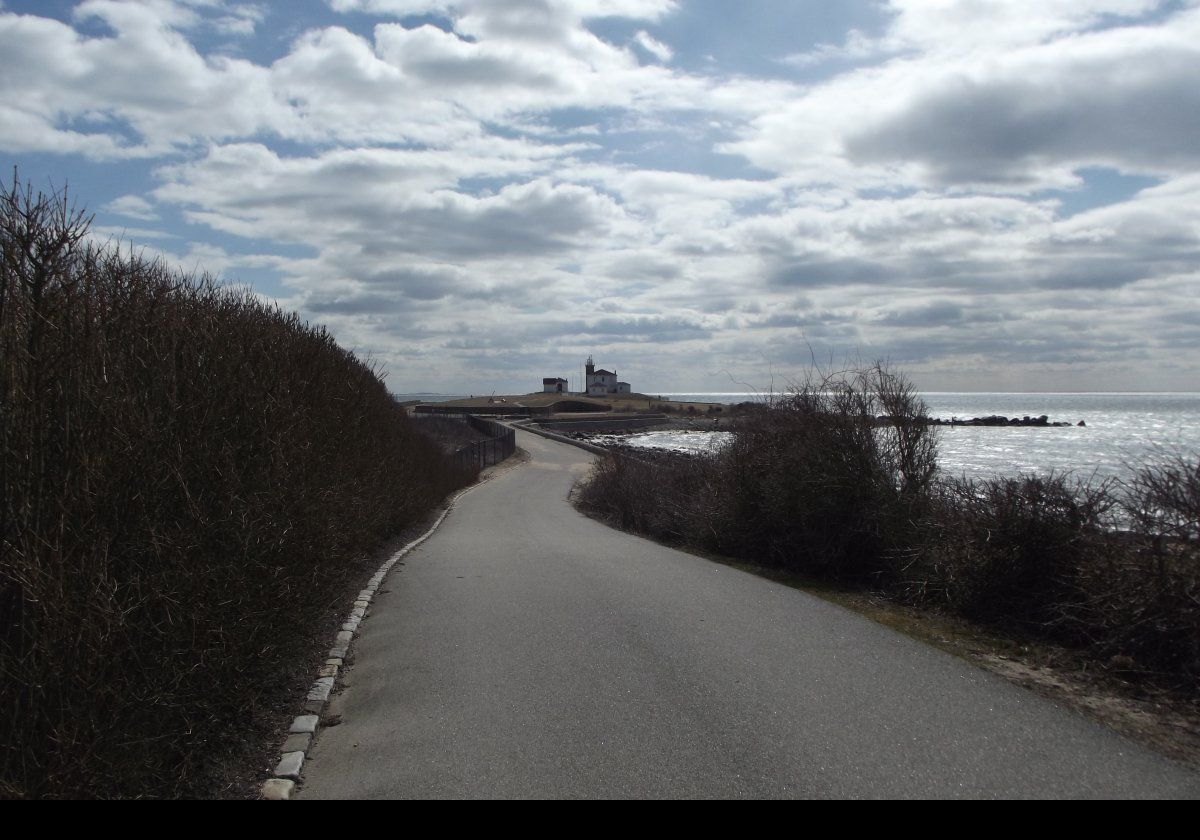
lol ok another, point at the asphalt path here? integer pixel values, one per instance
(525, 651)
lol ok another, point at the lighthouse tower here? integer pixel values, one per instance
(590, 370)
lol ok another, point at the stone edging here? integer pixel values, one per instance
(304, 728)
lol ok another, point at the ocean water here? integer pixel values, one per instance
(1123, 431)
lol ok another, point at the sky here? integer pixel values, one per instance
(703, 195)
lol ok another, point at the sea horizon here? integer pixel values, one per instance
(670, 393)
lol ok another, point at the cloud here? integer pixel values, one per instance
(124, 234)
(973, 27)
(444, 61)
(639, 329)
(242, 21)
(1125, 100)
(581, 9)
(142, 88)
(1018, 103)
(937, 314)
(808, 272)
(134, 207)
(137, 93)
(857, 47)
(653, 46)
(388, 201)
(408, 257)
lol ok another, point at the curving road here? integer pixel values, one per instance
(527, 651)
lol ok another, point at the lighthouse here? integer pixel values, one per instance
(601, 383)
(596, 383)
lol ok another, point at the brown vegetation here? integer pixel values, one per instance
(185, 473)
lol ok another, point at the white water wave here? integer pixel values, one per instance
(689, 442)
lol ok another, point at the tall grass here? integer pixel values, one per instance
(838, 480)
(185, 473)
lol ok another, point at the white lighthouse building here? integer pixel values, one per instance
(601, 383)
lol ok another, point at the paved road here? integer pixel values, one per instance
(526, 651)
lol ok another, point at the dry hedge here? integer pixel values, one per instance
(185, 472)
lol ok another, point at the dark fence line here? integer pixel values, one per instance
(510, 410)
(495, 410)
(460, 415)
(501, 443)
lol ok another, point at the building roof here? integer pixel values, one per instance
(547, 380)
(603, 372)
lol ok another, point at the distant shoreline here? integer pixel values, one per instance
(751, 396)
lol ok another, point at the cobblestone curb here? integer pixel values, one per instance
(304, 728)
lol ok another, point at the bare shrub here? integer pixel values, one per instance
(665, 498)
(1135, 605)
(1147, 605)
(1163, 497)
(828, 478)
(1089, 564)
(1014, 550)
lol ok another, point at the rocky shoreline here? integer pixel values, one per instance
(713, 424)
(998, 420)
